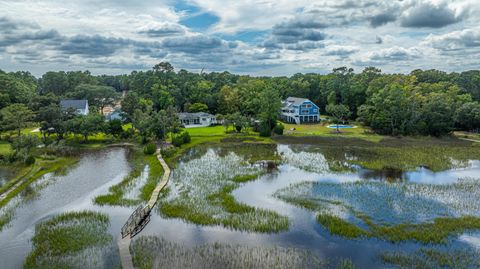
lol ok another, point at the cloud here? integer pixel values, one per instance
(395, 53)
(296, 34)
(340, 51)
(16, 32)
(388, 56)
(193, 44)
(162, 30)
(457, 40)
(382, 19)
(92, 46)
(427, 14)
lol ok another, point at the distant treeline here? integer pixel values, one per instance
(424, 102)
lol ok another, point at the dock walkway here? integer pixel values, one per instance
(140, 217)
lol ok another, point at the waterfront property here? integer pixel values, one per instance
(80, 106)
(299, 110)
(200, 119)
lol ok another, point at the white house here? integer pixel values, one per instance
(80, 106)
(200, 119)
(299, 110)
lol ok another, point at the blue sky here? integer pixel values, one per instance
(257, 37)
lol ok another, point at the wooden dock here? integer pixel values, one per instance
(140, 217)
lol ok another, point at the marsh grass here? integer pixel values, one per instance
(203, 187)
(406, 154)
(155, 252)
(60, 238)
(433, 258)
(394, 212)
(154, 176)
(41, 168)
(117, 193)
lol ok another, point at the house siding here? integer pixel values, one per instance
(299, 110)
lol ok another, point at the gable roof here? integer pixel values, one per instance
(296, 100)
(76, 104)
(186, 115)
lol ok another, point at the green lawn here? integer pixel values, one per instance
(4, 148)
(321, 129)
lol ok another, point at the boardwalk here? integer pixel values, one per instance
(140, 218)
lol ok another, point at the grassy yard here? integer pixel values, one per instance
(4, 148)
(321, 129)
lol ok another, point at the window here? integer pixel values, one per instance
(315, 110)
(305, 111)
(308, 106)
(203, 119)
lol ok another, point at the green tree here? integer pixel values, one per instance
(467, 117)
(197, 107)
(114, 127)
(88, 125)
(25, 142)
(16, 117)
(339, 113)
(269, 106)
(97, 96)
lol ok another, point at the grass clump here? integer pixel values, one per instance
(59, 239)
(38, 170)
(155, 175)
(155, 252)
(430, 258)
(340, 227)
(347, 198)
(116, 195)
(204, 194)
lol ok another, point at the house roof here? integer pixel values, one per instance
(76, 104)
(296, 100)
(186, 115)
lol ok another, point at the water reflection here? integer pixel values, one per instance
(5, 175)
(97, 171)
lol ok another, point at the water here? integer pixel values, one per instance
(97, 171)
(5, 175)
(340, 126)
(73, 192)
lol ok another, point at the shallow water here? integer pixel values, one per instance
(97, 171)
(93, 175)
(5, 175)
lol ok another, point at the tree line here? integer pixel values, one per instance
(423, 102)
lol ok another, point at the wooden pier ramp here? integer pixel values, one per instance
(140, 217)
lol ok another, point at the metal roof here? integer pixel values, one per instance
(76, 104)
(186, 115)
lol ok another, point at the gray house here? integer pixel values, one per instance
(80, 106)
(299, 110)
(200, 119)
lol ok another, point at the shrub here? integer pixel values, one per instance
(279, 129)
(180, 139)
(150, 149)
(265, 130)
(177, 140)
(168, 152)
(186, 138)
(30, 160)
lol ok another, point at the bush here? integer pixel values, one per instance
(265, 130)
(168, 152)
(279, 129)
(30, 160)
(150, 149)
(180, 139)
(186, 138)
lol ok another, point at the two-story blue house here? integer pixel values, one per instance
(299, 110)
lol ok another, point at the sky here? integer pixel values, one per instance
(256, 37)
